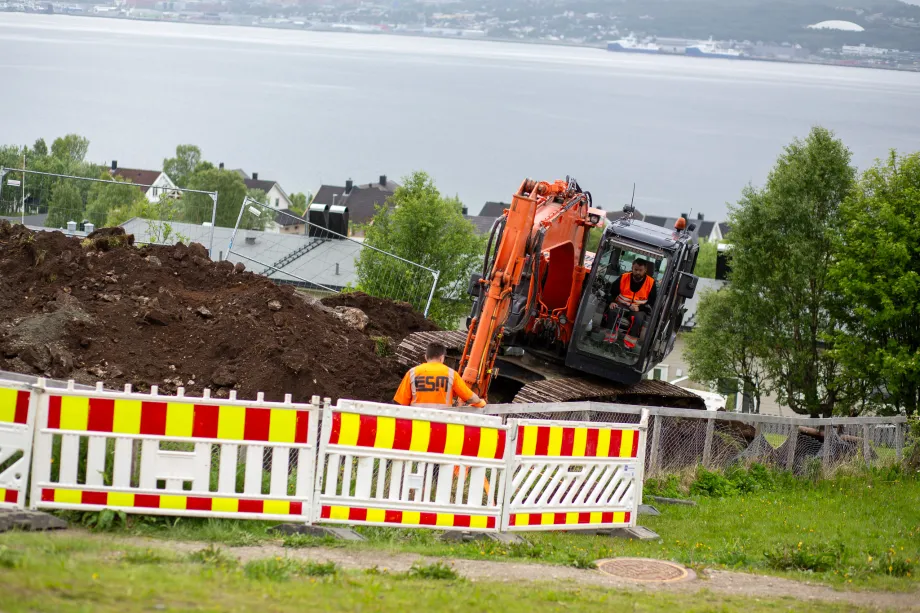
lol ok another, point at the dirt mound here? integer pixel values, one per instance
(386, 318)
(101, 310)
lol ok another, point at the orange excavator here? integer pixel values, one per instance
(544, 326)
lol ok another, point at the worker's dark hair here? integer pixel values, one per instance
(642, 262)
(435, 350)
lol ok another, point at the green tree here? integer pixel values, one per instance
(72, 148)
(111, 204)
(66, 205)
(181, 167)
(782, 251)
(706, 260)
(877, 273)
(299, 203)
(726, 343)
(231, 191)
(420, 225)
(40, 149)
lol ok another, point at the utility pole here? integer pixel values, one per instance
(23, 187)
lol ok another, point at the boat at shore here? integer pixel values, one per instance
(711, 48)
(631, 45)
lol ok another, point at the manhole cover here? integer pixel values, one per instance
(641, 569)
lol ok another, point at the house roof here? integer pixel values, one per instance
(482, 223)
(705, 228)
(656, 220)
(326, 192)
(29, 220)
(314, 267)
(262, 184)
(724, 228)
(137, 175)
(287, 217)
(493, 209)
(361, 201)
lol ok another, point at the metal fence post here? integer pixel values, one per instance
(434, 285)
(899, 441)
(213, 222)
(793, 441)
(656, 444)
(707, 444)
(826, 451)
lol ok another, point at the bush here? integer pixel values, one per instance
(814, 558)
(712, 484)
(438, 570)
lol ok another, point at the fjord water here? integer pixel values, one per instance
(305, 108)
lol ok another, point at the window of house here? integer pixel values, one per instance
(277, 202)
(155, 191)
(659, 373)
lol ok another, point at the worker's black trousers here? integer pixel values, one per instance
(635, 319)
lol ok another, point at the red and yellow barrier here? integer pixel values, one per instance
(410, 518)
(577, 442)
(380, 432)
(9, 496)
(125, 500)
(569, 519)
(177, 419)
(14, 406)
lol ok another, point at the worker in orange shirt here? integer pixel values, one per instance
(433, 384)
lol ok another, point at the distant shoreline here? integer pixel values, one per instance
(599, 47)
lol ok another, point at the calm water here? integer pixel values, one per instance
(305, 108)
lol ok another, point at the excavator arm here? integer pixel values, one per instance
(532, 273)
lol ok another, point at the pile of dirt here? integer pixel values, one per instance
(395, 320)
(103, 310)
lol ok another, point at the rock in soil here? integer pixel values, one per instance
(179, 318)
(385, 317)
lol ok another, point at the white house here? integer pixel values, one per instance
(277, 198)
(154, 183)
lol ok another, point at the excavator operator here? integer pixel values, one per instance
(433, 384)
(637, 291)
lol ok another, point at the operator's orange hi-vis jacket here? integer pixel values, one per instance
(432, 384)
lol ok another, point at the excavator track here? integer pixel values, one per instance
(411, 351)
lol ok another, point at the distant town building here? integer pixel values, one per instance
(276, 196)
(154, 183)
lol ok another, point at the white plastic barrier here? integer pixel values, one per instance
(574, 475)
(390, 465)
(17, 416)
(174, 455)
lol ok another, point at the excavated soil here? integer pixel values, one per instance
(386, 318)
(104, 310)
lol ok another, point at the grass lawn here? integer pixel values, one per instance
(853, 532)
(79, 573)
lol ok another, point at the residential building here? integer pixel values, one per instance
(154, 183)
(676, 369)
(276, 197)
(289, 222)
(360, 200)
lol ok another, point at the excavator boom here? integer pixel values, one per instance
(546, 319)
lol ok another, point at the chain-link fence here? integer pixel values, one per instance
(315, 252)
(681, 438)
(156, 213)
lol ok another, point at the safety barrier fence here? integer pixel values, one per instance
(680, 439)
(354, 463)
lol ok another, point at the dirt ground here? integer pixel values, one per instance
(104, 310)
(724, 582)
(386, 318)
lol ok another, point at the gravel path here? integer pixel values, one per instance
(723, 582)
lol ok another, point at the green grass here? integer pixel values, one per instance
(89, 574)
(857, 531)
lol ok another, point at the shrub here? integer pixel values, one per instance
(814, 558)
(438, 570)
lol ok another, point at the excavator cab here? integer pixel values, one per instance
(622, 339)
